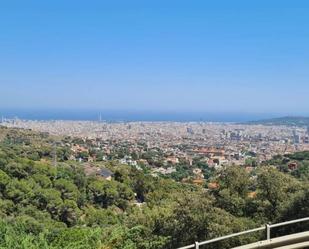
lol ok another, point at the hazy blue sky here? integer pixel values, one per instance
(231, 56)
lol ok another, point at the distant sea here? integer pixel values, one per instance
(130, 116)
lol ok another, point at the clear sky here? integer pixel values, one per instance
(210, 56)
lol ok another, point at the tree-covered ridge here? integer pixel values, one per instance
(289, 121)
(48, 206)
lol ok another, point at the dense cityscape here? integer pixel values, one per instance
(164, 145)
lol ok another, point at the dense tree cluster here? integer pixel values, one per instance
(51, 207)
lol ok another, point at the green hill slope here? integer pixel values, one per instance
(51, 207)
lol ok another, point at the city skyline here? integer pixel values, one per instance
(176, 57)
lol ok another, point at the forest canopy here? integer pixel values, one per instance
(48, 206)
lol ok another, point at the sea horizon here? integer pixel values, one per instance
(136, 116)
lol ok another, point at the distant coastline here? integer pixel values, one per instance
(130, 116)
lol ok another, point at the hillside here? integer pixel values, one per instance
(65, 206)
(289, 121)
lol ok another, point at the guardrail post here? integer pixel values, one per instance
(197, 245)
(266, 228)
(268, 232)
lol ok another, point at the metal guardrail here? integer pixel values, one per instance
(267, 228)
